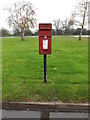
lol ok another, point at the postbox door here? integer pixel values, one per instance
(45, 45)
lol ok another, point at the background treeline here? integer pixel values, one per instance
(70, 32)
(6, 33)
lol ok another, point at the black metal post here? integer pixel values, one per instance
(45, 69)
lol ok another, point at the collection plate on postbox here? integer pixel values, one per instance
(45, 38)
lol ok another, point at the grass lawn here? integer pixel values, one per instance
(67, 70)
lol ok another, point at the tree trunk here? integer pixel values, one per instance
(80, 36)
(22, 35)
(84, 15)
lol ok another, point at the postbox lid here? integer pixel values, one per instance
(45, 29)
(45, 26)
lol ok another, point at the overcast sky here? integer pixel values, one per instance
(47, 11)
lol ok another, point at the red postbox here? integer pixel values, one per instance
(45, 38)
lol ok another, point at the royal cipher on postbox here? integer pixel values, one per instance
(45, 38)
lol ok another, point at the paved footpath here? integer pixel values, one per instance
(40, 111)
(39, 115)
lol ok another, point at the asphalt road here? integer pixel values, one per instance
(39, 115)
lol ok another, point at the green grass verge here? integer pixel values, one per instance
(67, 70)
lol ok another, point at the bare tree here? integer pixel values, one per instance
(89, 15)
(57, 25)
(21, 16)
(67, 25)
(64, 24)
(71, 21)
(80, 15)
